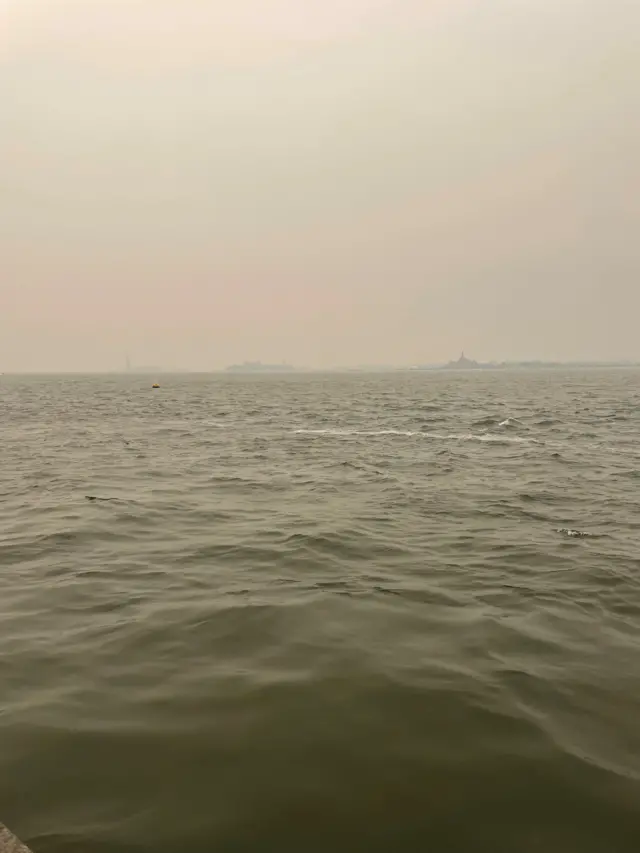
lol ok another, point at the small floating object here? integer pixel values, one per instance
(155, 385)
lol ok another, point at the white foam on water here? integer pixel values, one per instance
(352, 433)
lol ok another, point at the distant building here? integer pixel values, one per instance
(463, 363)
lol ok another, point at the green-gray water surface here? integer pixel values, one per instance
(260, 614)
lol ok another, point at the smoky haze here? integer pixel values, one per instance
(326, 182)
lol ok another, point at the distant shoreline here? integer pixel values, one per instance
(302, 371)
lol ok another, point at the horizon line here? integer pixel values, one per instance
(367, 368)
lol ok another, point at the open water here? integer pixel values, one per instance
(261, 614)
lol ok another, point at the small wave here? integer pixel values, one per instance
(511, 422)
(494, 439)
(485, 422)
(488, 438)
(348, 433)
(347, 463)
(541, 496)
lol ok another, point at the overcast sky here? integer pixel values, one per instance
(198, 182)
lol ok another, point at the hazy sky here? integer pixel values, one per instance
(319, 181)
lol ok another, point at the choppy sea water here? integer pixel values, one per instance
(312, 613)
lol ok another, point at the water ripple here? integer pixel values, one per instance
(354, 612)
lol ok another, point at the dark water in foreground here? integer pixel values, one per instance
(395, 613)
